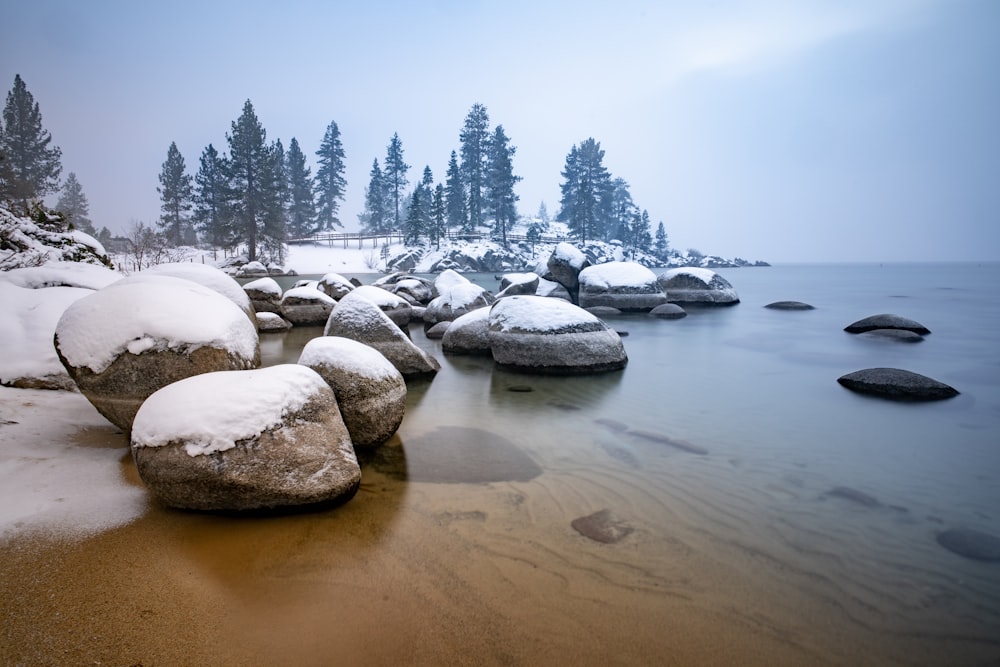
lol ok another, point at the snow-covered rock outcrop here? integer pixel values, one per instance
(469, 334)
(457, 295)
(245, 440)
(211, 277)
(264, 295)
(697, 286)
(627, 286)
(306, 305)
(396, 307)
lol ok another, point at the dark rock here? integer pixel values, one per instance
(789, 305)
(437, 331)
(897, 384)
(886, 321)
(627, 286)
(894, 335)
(603, 311)
(602, 526)
(668, 311)
(971, 543)
(469, 334)
(697, 286)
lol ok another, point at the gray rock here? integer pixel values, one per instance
(272, 322)
(396, 307)
(469, 334)
(789, 305)
(602, 311)
(334, 286)
(541, 335)
(437, 331)
(668, 311)
(894, 335)
(518, 283)
(697, 286)
(358, 318)
(603, 526)
(897, 384)
(564, 266)
(290, 448)
(886, 321)
(627, 286)
(370, 391)
(264, 295)
(457, 296)
(306, 306)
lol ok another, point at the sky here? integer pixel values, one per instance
(776, 130)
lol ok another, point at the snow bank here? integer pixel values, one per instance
(213, 411)
(151, 312)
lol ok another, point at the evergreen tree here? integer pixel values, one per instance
(474, 139)
(456, 216)
(73, 204)
(377, 216)
(104, 236)
(415, 219)
(543, 216)
(276, 204)
(500, 181)
(175, 197)
(661, 249)
(638, 236)
(330, 182)
(250, 171)
(439, 217)
(31, 165)
(395, 176)
(623, 212)
(587, 192)
(301, 201)
(211, 199)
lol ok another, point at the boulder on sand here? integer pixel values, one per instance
(897, 384)
(697, 286)
(245, 440)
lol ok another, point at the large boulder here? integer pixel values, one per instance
(537, 334)
(272, 323)
(245, 440)
(124, 342)
(358, 318)
(306, 305)
(627, 286)
(695, 286)
(209, 276)
(264, 294)
(334, 286)
(370, 391)
(564, 266)
(396, 307)
(469, 334)
(457, 295)
(518, 283)
(551, 288)
(897, 384)
(886, 321)
(414, 289)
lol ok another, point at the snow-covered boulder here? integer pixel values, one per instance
(245, 440)
(211, 277)
(358, 318)
(335, 285)
(541, 335)
(697, 286)
(370, 391)
(436, 331)
(264, 295)
(564, 266)
(414, 289)
(123, 342)
(457, 295)
(396, 307)
(61, 274)
(469, 334)
(627, 286)
(306, 305)
(551, 288)
(252, 270)
(518, 283)
(272, 323)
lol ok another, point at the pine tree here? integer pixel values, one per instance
(276, 204)
(415, 221)
(543, 216)
(623, 212)
(439, 217)
(474, 138)
(175, 197)
(456, 213)
(500, 181)
(32, 165)
(395, 176)
(661, 249)
(301, 200)
(250, 171)
(211, 199)
(330, 182)
(377, 217)
(73, 204)
(587, 192)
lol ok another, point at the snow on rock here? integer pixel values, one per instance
(551, 288)
(271, 323)
(358, 318)
(468, 334)
(448, 279)
(457, 295)
(245, 440)
(518, 283)
(252, 269)
(627, 286)
(564, 265)
(396, 307)
(541, 335)
(123, 342)
(335, 285)
(264, 295)
(693, 285)
(61, 274)
(44, 238)
(209, 276)
(306, 305)
(370, 391)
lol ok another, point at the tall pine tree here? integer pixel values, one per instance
(211, 214)
(474, 138)
(500, 181)
(439, 217)
(175, 198)
(301, 200)
(661, 248)
(32, 166)
(395, 176)
(276, 205)
(330, 182)
(73, 204)
(587, 192)
(377, 217)
(250, 170)
(456, 213)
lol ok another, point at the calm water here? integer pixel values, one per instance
(757, 389)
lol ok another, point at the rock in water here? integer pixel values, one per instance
(789, 305)
(855, 496)
(893, 335)
(886, 321)
(668, 311)
(897, 384)
(264, 294)
(245, 440)
(627, 286)
(602, 526)
(469, 334)
(696, 286)
(306, 305)
(971, 543)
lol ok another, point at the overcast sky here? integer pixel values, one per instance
(782, 130)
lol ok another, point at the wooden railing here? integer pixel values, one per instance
(346, 239)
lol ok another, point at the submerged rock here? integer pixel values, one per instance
(663, 439)
(602, 526)
(897, 384)
(886, 321)
(969, 543)
(853, 495)
(789, 305)
(689, 285)
(893, 335)
(668, 311)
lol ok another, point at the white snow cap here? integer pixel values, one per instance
(265, 285)
(462, 294)
(570, 254)
(617, 274)
(151, 312)
(309, 293)
(704, 275)
(380, 297)
(537, 313)
(203, 274)
(213, 411)
(449, 278)
(61, 274)
(520, 278)
(348, 355)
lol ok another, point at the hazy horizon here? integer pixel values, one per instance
(779, 131)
